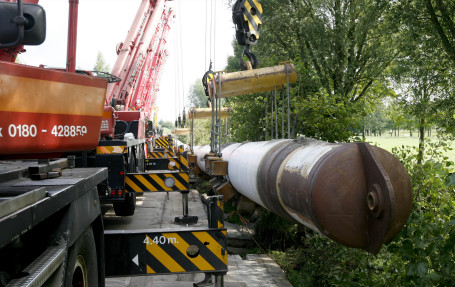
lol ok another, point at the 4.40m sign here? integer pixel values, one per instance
(160, 240)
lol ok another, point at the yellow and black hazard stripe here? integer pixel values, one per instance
(183, 160)
(163, 154)
(220, 209)
(111, 149)
(162, 164)
(185, 252)
(157, 182)
(253, 15)
(173, 251)
(163, 142)
(174, 164)
(215, 209)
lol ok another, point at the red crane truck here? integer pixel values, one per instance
(128, 105)
(51, 225)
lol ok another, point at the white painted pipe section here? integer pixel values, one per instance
(200, 152)
(243, 167)
(227, 151)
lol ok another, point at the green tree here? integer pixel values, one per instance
(246, 118)
(201, 131)
(341, 50)
(397, 116)
(197, 97)
(445, 107)
(442, 15)
(420, 73)
(438, 18)
(375, 121)
(101, 64)
(167, 124)
(346, 44)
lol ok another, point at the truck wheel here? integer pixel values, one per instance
(127, 207)
(82, 266)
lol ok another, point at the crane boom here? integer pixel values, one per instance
(134, 64)
(144, 96)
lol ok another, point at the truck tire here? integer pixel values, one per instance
(82, 265)
(127, 207)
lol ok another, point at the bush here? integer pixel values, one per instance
(423, 252)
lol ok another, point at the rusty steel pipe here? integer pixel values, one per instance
(355, 194)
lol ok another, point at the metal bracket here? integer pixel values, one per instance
(47, 169)
(380, 199)
(186, 220)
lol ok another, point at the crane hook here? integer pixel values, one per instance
(247, 18)
(251, 57)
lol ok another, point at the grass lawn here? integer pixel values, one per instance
(388, 142)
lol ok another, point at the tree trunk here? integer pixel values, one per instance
(421, 140)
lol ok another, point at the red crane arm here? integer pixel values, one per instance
(133, 52)
(144, 96)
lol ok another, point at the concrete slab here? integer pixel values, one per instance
(155, 210)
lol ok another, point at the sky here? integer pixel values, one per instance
(103, 24)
